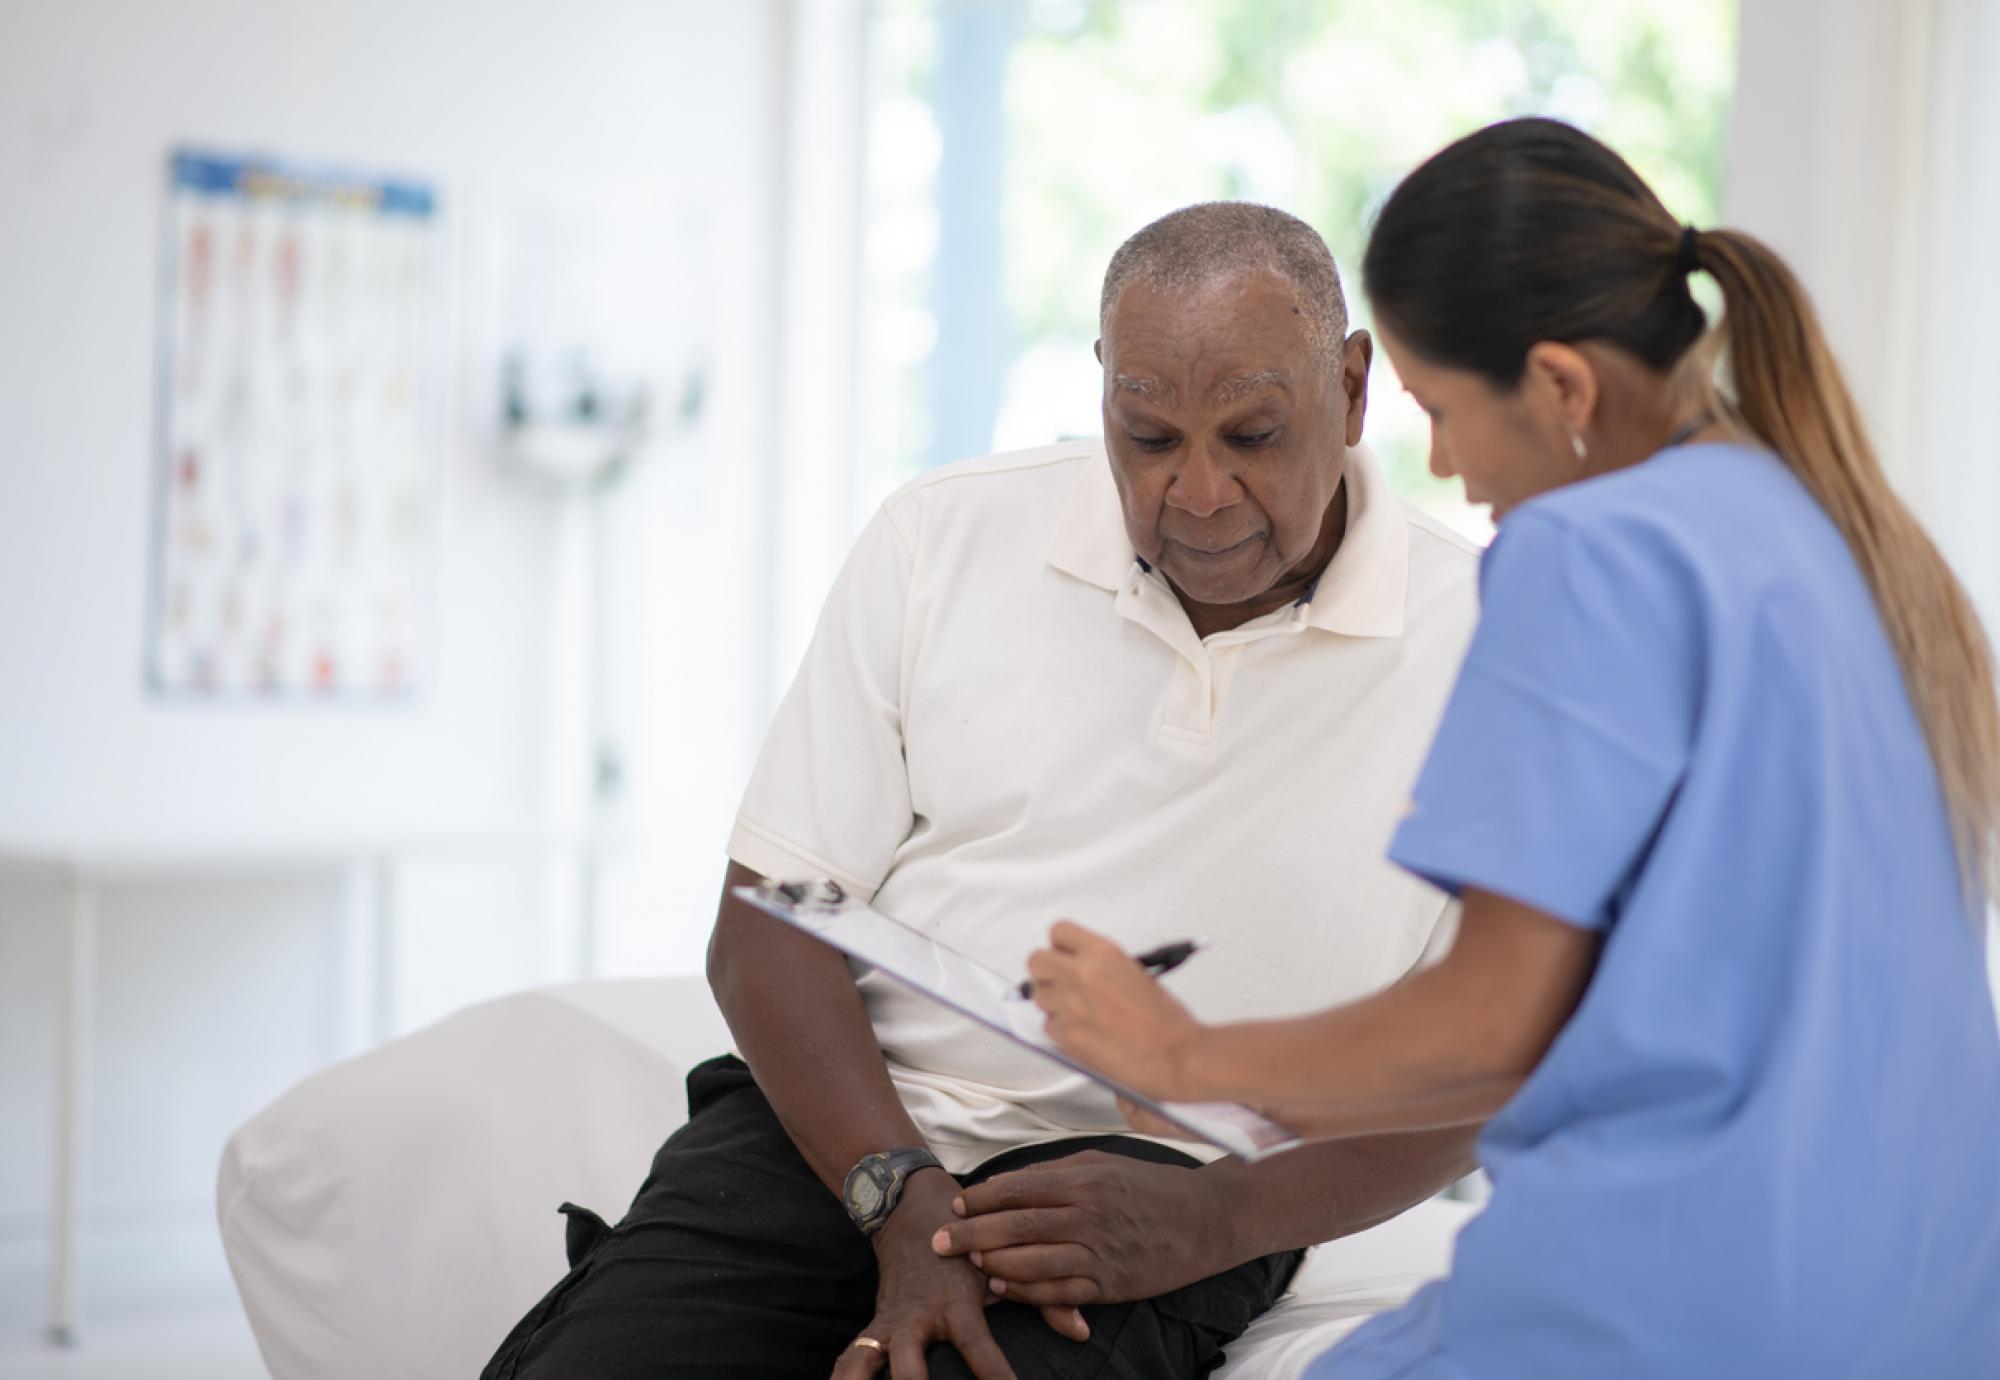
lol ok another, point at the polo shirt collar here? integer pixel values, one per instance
(1361, 592)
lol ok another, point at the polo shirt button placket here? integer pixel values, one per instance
(1189, 707)
(1189, 713)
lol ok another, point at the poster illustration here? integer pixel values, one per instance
(298, 432)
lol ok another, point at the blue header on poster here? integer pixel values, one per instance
(270, 178)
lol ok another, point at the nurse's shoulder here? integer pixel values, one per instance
(1705, 527)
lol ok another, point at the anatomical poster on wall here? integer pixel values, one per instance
(299, 431)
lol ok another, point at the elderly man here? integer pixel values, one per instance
(1177, 683)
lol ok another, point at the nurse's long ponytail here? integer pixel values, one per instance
(1788, 393)
(1531, 230)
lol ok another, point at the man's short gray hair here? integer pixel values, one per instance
(1195, 245)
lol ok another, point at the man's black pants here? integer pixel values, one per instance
(735, 1263)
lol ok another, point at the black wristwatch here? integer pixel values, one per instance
(876, 1182)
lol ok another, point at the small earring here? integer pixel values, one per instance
(1576, 444)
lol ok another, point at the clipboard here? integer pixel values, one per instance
(822, 908)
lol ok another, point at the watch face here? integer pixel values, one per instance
(864, 1195)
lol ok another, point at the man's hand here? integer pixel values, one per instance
(1091, 1228)
(921, 1297)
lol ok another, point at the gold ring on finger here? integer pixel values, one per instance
(870, 1343)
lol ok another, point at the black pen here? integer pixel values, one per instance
(1164, 959)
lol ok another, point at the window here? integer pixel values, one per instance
(1015, 143)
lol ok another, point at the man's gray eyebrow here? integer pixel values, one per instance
(1144, 386)
(1241, 385)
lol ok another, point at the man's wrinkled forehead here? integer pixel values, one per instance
(1250, 328)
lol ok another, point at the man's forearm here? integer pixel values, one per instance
(1321, 1192)
(799, 1024)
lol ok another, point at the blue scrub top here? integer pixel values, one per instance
(1768, 1141)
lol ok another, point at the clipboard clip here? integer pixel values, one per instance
(812, 893)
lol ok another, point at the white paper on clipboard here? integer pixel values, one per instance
(824, 910)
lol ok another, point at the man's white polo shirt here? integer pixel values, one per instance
(1004, 719)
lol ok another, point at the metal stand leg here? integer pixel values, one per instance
(383, 1017)
(587, 902)
(359, 1027)
(79, 992)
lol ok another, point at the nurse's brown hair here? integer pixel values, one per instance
(1530, 230)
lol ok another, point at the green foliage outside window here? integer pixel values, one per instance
(1119, 110)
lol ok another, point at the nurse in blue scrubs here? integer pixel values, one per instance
(1718, 787)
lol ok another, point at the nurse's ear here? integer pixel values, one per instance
(1560, 386)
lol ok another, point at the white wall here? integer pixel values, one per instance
(1867, 134)
(596, 107)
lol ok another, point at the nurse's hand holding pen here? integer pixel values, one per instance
(1446, 1046)
(1106, 1010)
